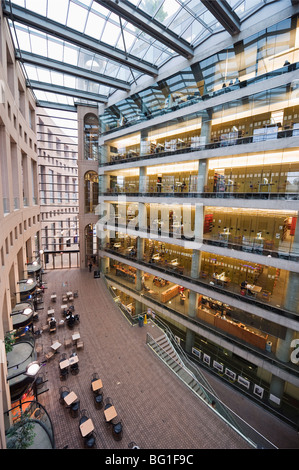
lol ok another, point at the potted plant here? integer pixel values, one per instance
(9, 341)
(21, 435)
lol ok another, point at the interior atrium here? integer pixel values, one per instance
(155, 144)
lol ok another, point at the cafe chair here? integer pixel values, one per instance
(63, 373)
(76, 294)
(83, 417)
(133, 445)
(80, 344)
(67, 342)
(63, 392)
(90, 440)
(117, 431)
(107, 403)
(74, 409)
(74, 369)
(98, 400)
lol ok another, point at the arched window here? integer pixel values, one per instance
(91, 137)
(91, 191)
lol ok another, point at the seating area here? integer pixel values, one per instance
(70, 401)
(56, 320)
(125, 367)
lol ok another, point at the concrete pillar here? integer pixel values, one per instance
(202, 175)
(192, 312)
(104, 265)
(143, 140)
(140, 248)
(283, 353)
(276, 390)
(291, 300)
(142, 179)
(195, 264)
(206, 127)
(104, 183)
(142, 216)
(198, 223)
(295, 246)
(283, 348)
(193, 299)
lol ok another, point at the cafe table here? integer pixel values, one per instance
(55, 346)
(76, 336)
(253, 289)
(96, 385)
(70, 398)
(110, 413)
(73, 360)
(64, 364)
(87, 427)
(51, 312)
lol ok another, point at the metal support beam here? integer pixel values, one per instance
(51, 64)
(224, 14)
(61, 107)
(62, 90)
(47, 26)
(150, 26)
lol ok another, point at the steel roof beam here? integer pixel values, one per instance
(224, 14)
(62, 90)
(149, 25)
(51, 64)
(60, 106)
(47, 26)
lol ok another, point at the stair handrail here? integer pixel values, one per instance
(167, 331)
(192, 368)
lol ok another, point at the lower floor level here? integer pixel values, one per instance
(171, 415)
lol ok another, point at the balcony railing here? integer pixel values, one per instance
(197, 98)
(232, 290)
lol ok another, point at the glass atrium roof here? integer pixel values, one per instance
(83, 50)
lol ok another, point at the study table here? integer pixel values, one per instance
(96, 385)
(110, 413)
(87, 427)
(70, 398)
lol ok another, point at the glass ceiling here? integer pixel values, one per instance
(188, 21)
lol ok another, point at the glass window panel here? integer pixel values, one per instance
(57, 10)
(76, 18)
(94, 26)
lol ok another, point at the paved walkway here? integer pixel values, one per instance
(157, 410)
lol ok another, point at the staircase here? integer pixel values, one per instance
(167, 353)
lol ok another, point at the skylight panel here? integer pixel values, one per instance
(110, 34)
(76, 17)
(57, 10)
(94, 26)
(39, 7)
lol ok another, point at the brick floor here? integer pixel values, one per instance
(157, 410)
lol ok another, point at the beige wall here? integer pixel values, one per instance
(19, 211)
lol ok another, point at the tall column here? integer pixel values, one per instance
(142, 179)
(202, 175)
(143, 142)
(291, 300)
(193, 299)
(295, 246)
(283, 352)
(206, 126)
(192, 312)
(198, 223)
(142, 216)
